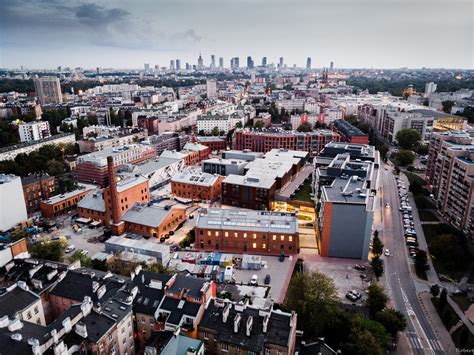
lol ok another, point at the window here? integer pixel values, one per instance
(206, 335)
(28, 315)
(236, 234)
(245, 235)
(255, 236)
(264, 246)
(254, 245)
(152, 321)
(225, 347)
(36, 310)
(216, 234)
(143, 319)
(290, 238)
(208, 233)
(274, 237)
(226, 234)
(282, 237)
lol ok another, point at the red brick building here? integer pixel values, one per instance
(198, 186)
(246, 231)
(61, 204)
(37, 188)
(214, 143)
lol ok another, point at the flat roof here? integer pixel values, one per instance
(154, 165)
(81, 189)
(151, 216)
(140, 244)
(195, 178)
(435, 114)
(44, 140)
(346, 190)
(130, 181)
(220, 161)
(271, 167)
(247, 220)
(251, 179)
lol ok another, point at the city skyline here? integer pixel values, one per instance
(45, 34)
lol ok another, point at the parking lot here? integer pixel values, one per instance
(343, 273)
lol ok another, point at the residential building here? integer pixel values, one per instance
(34, 131)
(37, 187)
(168, 342)
(48, 90)
(197, 185)
(215, 143)
(211, 89)
(350, 133)
(450, 171)
(304, 118)
(92, 167)
(265, 118)
(248, 191)
(224, 123)
(118, 137)
(61, 204)
(9, 153)
(224, 167)
(263, 141)
(18, 302)
(346, 187)
(12, 205)
(231, 328)
(246, 231)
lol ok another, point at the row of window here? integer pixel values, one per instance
(245, 235)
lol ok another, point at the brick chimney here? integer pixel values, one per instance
(113, 190)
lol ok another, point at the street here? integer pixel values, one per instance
(398, 278)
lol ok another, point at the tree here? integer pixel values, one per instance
(259, 125)
(422, 149)
(49, 250)
(421, 258)
(408, 138)
(443, 298)
(376, 299)
(304, 127)
(377, 266)
(383, 149)
(316, 305)
(100, 265)
(448, 105)
(238, 125)
(392, 320)
(405, 157)
(84, 259)
(434, 290)
(215, 131)
(366, 337)
(55, 167)
(377, 245)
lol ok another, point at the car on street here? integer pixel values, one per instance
(70, 248)
(353, 295)
(253, 280)
(387, 252)
(267, 279)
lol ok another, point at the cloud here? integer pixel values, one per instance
(94, 15)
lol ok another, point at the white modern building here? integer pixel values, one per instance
(34, 131)
(12, 203)
(224, 123)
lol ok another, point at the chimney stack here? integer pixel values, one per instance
(249, 326)
(237, 322)
(225, 312)
(113, 190)
(266, 319)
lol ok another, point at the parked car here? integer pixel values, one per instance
(353, 295)
(267, 279)
(360, 267)
(387, 252)
(84, 252)
(70, 249)
(253, 280)
(282, 257)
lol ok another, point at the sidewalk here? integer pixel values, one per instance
(440, 330)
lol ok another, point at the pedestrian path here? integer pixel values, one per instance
(416, 343)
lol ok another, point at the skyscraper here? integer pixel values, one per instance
(188, 66)
(280, 64)
(331, 66)
(213, 61)
(48, 90)
(308, 63)
(234, 63)
(264, 61)
(249, 62)
(147, 66)
(178, 64)
(221, 63)
(200, 62)
(172, 67)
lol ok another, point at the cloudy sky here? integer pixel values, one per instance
(126, 34)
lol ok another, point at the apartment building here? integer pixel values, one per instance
(36, 188)
(245, 231)
(34, 131)
(263, 141)
(224, 122)
(349, 133)
(215, 144)
(118, 137)
(48, 90)
(12, 206)
(231, 328)
(450, 171)
(92, 167)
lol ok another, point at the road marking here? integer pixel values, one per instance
(436, 344)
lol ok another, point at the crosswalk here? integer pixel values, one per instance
(416, 342)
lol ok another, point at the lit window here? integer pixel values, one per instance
(236, 234)
(255, 236)
(254, 245)
(226, 234)
(264, 246)
(245, 235)
(208, 233)
(217, 234)
(274, 237)
(282, 237)
(290, 238)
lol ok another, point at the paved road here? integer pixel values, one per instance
(398, 278)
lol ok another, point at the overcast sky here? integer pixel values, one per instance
(127, 34)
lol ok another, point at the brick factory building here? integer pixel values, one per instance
(37, 187)
(61, 204)
(197, 185)
(244, 231)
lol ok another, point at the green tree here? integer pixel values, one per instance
(316, 305)
(421, 258)
(366, 337)
(405, 157)
(435, 290)
(238, 125)
(84, 259)
(448, 105)
(408, 138)
(215, 131)
(258, 125)
(392, 320)
(377, 245)
(304, 127)
(377, 266)
(422, 149)
(101, 265)
(49, 250)
(55, 167)
(383, 150)
(376, 299)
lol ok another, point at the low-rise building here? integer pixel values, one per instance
(18, 302)
(254, 192)
(37, 187)
(224, 167)
(214, 143)
(118, 137)
(61, 204)
(350, 133)
(246, 231)
(197, 185)
(160, 252)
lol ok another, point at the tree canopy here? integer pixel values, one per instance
(408, 138)
(50, 250)
(376, 299)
